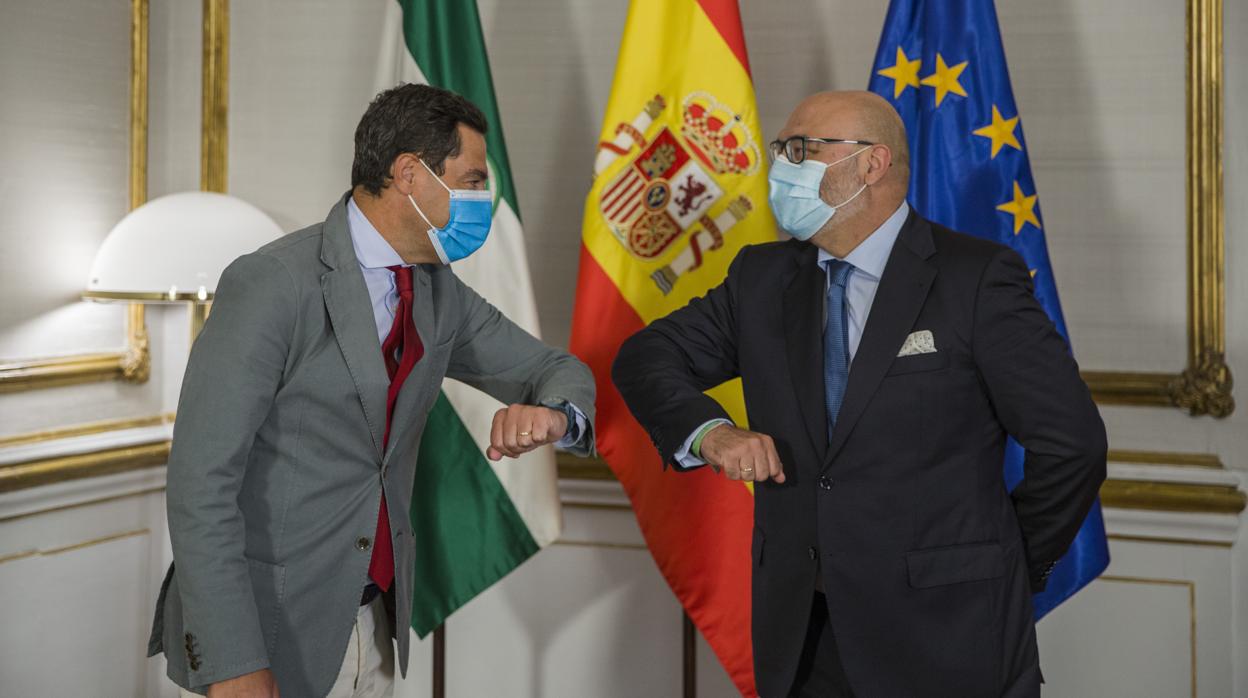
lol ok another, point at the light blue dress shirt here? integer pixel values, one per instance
(868, 260)
(375, 255)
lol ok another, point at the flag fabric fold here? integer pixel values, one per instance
(680, 186)
(474, 520)
(941, 63)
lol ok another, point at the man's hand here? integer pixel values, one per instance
(519, 429)
(257, 684)
(743, 455)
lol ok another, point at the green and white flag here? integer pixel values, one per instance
(474, 520)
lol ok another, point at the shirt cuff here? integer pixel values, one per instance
(684, 456)
(576, 423)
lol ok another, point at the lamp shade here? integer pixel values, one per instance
(174, 248)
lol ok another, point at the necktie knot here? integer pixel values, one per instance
(838, 271)
(402, 280)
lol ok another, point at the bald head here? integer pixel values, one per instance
(853, 115)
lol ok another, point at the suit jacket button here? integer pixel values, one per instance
(812, 552)
(825, 482)
(363, 544)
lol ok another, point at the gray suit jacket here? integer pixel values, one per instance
(277, 466)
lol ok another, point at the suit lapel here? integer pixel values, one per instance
(417, 384)
(351, 317)
(803, 321)
(903, 288)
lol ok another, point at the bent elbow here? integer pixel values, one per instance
(1094, 445)
(623, 368)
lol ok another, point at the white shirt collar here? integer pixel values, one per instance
(871, 255)
(371, 249)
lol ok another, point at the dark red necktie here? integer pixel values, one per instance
(401, 350)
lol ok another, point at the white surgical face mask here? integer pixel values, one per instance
(794, 195)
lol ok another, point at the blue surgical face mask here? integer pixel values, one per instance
(468, 226)
(794, 195)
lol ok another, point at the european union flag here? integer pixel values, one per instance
(941, 64)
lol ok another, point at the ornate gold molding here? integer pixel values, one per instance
(109, 461)
(1204, 386)
(138, 103)
(1160, 540)
(571, 467)
(608, 546)
(1195, 460)
(87, 429)
(1172, 496)
(184, 296)
(133, 364)
(216, 66)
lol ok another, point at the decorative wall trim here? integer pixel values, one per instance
(83, 503)
(1204, 385)
(46, 471)
(609, 546)
(1196, 460)
(572, 467)
(138, 102)
(1191, 605)
(601, 506)
(76, 546)
(214, 134)
(1172, 496)
(1162, 540)
(58, 433)
(133, 364)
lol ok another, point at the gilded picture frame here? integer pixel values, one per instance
(1203, 386)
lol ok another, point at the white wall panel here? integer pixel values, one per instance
(80, 568)
(64, 75)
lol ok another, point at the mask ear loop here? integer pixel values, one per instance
(851, 155)
(417, 207)
(864, 184)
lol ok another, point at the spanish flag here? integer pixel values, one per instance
(680, 186)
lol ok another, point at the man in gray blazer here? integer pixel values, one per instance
(303, 407)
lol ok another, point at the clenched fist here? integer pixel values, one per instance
(519, 429)
(743, 455)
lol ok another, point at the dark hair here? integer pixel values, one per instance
(410, 118)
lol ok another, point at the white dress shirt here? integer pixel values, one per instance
(868, 260)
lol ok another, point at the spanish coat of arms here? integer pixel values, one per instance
(671, 186)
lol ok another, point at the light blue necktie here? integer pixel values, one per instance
(836, 339)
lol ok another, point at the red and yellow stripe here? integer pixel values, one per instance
(697, 525)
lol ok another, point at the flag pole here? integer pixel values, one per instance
(690, 664)
(439, 661)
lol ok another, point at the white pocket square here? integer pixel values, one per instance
(920, 342)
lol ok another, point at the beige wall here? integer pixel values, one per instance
(1099, 86)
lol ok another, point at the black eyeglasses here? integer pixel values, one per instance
(794, 147)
